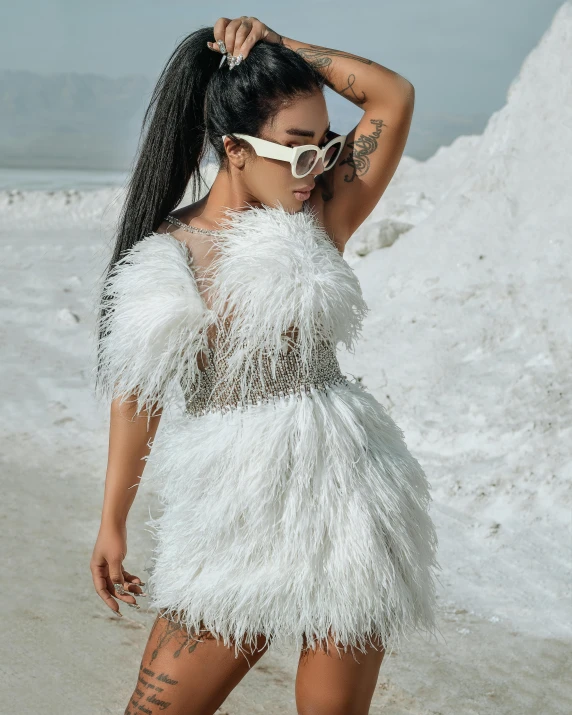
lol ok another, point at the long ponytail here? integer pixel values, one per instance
(172, 141)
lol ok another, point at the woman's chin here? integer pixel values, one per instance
(291, 207)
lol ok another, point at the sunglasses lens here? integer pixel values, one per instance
(305, 161)
(332, 155)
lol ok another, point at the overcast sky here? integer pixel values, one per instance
(461, 55)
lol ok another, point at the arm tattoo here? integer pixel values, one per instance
(357, 159)
(322, 56)
(356, 99)
(321, 59)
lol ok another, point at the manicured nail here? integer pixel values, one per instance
(117, 613)
(134, 605)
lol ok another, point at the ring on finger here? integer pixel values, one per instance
(137, 595)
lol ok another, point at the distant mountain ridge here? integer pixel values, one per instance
(90, 121)
(70, 120)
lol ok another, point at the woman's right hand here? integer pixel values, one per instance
(107, 568)
(241, 34)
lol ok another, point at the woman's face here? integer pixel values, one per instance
(270, 180)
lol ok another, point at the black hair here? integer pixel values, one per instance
(192, 105)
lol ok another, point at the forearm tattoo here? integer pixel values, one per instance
(360, 149)
(321, 59)
(322, 56)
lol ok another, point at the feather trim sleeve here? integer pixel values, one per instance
(153, 325)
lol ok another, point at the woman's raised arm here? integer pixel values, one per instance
(354, 185)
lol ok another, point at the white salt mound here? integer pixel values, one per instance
(470, 336)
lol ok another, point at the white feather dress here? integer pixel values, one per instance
(290, 504)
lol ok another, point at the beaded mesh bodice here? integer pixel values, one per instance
(268, 379)
(291, 377)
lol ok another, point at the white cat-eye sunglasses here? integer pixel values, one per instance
(302, 159)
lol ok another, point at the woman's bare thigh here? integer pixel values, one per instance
(187, 675)
(337, 682)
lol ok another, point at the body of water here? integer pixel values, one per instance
(59, 179)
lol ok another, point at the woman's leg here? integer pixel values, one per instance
(187, 676)
(337, 683)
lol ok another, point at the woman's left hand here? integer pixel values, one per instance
(241, 34)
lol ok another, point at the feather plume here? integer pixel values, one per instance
(277, 274)
(155, 324)
(298, 516)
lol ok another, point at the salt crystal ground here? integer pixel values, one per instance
(468, 345)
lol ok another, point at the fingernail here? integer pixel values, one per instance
(117, 613)
(134, 605)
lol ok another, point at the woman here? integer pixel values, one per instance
(293, 511)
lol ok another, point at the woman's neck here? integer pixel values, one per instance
(223, 194)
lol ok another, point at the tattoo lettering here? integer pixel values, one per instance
(162, 704)
(153, 686)
(146, 693)
(360, 149)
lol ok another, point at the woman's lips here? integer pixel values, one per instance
(303, 195)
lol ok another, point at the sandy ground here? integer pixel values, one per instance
(64, 652)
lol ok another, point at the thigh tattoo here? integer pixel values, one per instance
(175, 630)
(154, 690)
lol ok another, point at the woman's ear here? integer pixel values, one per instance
(236, 152)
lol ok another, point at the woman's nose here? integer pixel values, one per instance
(319, 168)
